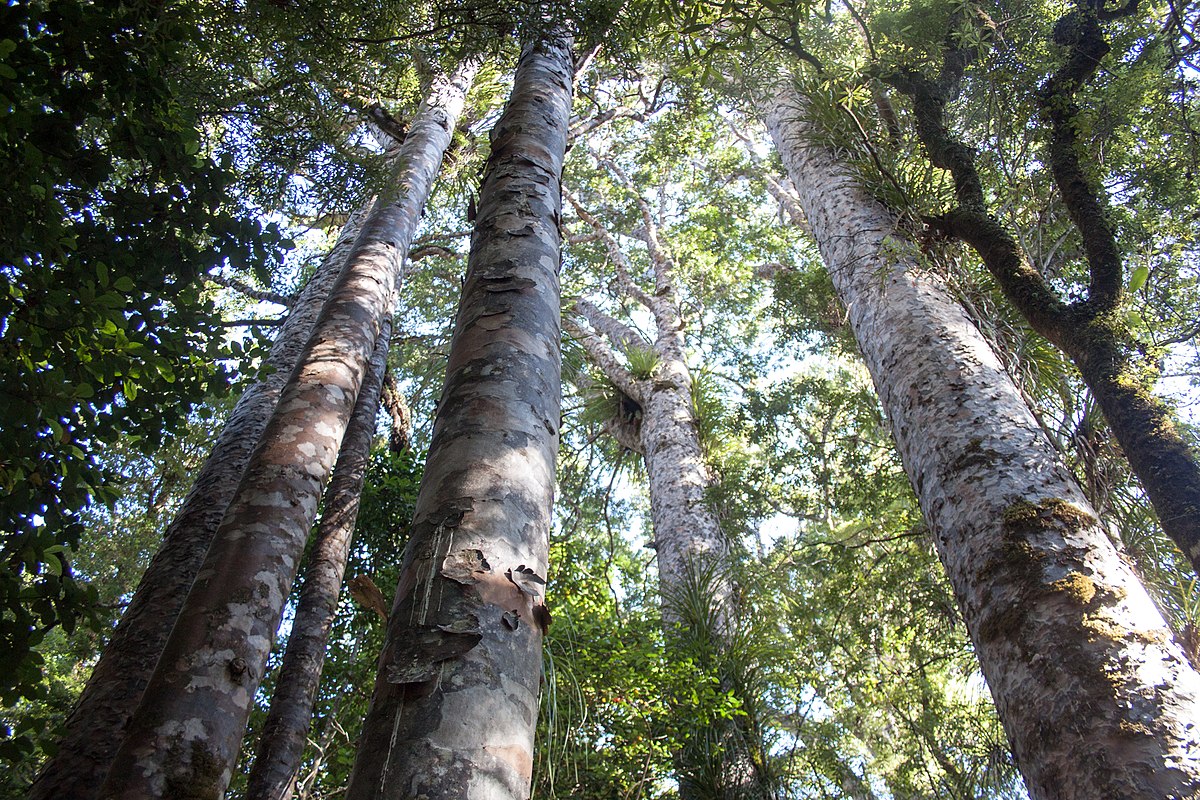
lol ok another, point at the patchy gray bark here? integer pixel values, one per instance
(693, 555)
(1089, 329)
(183, 739)
(94, 729)
(1096, 698)
(281, 745)
(687, 536)
(456, 697)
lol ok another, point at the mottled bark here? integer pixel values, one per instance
(94, 729)
(183, 739)
(456, 696)
(1089, 330)
(400, 436)
(281, 744)
(686, 533)
(1096, 698)
(693, 554)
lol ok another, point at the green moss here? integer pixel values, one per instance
(1021, 512)
(1137, 729)
(199, 779)
(1100, 626)
(1020, 564)
(1024, 516)
(1077, 586)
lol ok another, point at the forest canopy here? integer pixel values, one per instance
(593, 399)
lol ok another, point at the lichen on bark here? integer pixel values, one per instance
(1095, 697)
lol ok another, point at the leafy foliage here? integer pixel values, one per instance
(115, 547)
(133, 131)
(111, 213)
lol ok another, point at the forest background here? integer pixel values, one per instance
(178, 171)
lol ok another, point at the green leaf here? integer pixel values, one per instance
(1137, 279)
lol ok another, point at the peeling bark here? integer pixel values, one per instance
(94, 729)
(1096, 698)
(281, 745)
(183, 739)
(456, 696)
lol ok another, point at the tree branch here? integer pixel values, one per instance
(252, 323)
(788, 201)
(970, 222)
(1080, 31)
(582, 127)
(615, 254)
(660, 259)
(605, 360)
(428, 250)
(620, 334)
(263, 295)
(400, 438)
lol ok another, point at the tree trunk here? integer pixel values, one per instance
(183, 738)
(695, 577)
(1096, 698)
(400, 436)
(97, 722)
(695, 580)
(1090, 330)
(456, 697)
(687, 537)
(277, 757)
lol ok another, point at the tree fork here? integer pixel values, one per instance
(183, 739)
(1087, 330)
(456, 696)
(692, 551)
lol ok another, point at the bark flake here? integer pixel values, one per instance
(527, 580)
(462, 565)
(418, 657)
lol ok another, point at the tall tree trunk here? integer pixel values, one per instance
(281, 745)
(695, 577)
(96, 724)
(1096, 698)
(183, 738)
(456, 697)
(693, 555)
(1090, 329)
